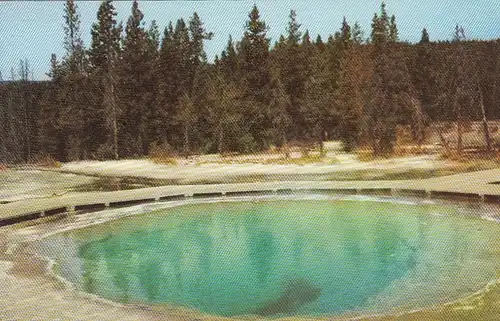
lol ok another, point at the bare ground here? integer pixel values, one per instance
(87, 176)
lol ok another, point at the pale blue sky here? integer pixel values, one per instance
(34, 29)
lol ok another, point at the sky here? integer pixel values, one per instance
(33, 30)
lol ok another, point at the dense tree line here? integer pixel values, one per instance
(135, 89)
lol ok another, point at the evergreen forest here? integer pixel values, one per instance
(135, 89)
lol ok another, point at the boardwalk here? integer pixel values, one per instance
(473, 185)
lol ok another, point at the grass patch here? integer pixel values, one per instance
(109, 184)
(164, 160)
(471, 155)
(46, 161)
(412, 150)
(303, 160)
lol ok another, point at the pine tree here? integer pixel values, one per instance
(461, 91)
(199, 93)
(495, 95)
(345, 38)
(24, 70)
(24, 105)
(165, 91)
(178, 81)
(320, 44)
(136, 71)
(152, 56)
(318, 105)
(12, 74)
(293, 29)
(425, 37)
(224, 114)
(182, 50)
(153, 36)
(72, 87)
(279, 106)
(337, 47)
(73, 43)
(391, 93)
(11, 144)
(380, 27)
(182, 61)
(123, 95)
(254, 51)
(49, 133)
(229, 61)
(357, 33)
(255, 54)
(424, 81)
(354, 73)
(393, 30)
(104, 54)
(198, 35)
(186, 117)
(200, 80)
(293, 59)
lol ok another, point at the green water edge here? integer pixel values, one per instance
(484, 304)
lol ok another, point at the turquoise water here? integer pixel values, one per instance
(288, 257)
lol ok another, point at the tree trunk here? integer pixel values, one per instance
(459, 137)
(186, 141)
(26, 126)
(442, 139)
(142, 145)
(220, 140)
(458, 109)
(487, 137)
(115, 124)
(321, 145)
(285, 147)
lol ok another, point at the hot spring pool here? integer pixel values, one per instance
(284, 257)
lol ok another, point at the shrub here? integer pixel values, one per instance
(410, 151)
(403, 135)
(467, 126)
(228, 154)
(247, 144)
(303, 160)
(46, 161)
(452, 155)
(162, 154)
(365, 155)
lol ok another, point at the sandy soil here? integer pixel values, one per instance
(195, 171)
(16, 185)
